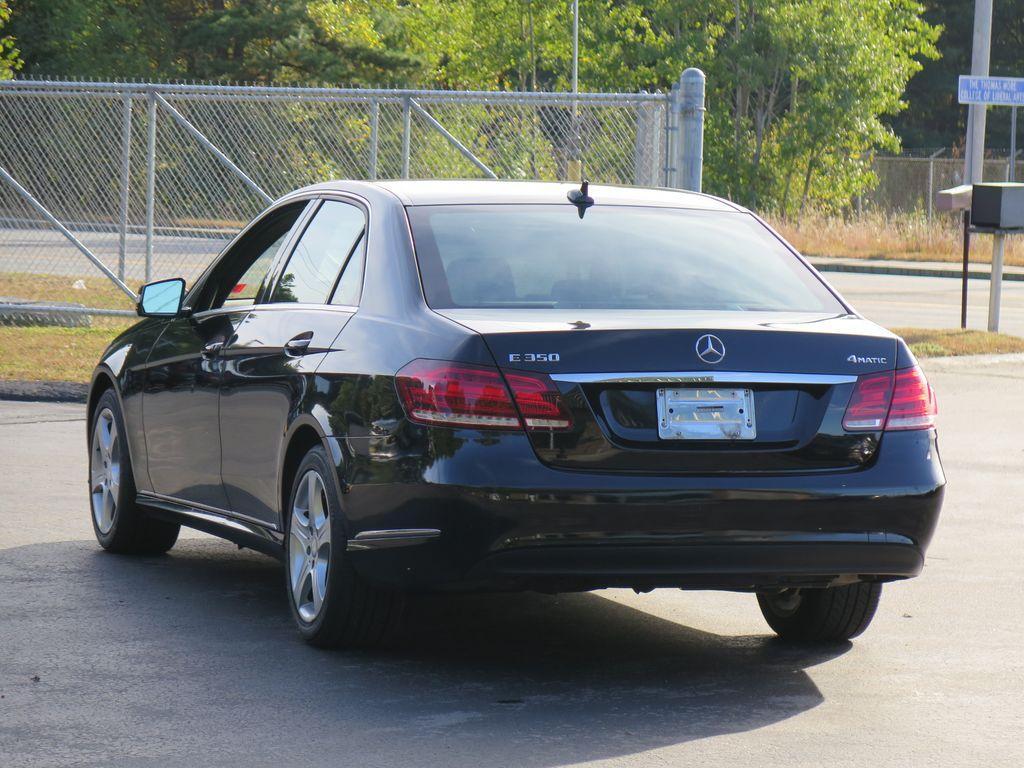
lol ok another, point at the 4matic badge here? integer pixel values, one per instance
(866, 360)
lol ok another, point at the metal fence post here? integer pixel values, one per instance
(645, 146)
(374, 138)
(931, 181)
(690, 144)
(671, 165)
(150, 178)
(126, 150)
(406, 134)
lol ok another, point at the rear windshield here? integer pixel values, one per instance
(616, 257)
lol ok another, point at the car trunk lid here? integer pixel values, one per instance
(614, 369)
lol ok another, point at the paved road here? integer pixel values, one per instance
(928, 302)
(190, 659)
(48, 252)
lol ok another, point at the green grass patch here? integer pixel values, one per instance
(926, 342)
(53, 354)
(95, 292)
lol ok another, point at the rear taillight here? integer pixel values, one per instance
(913, 401)
(458, 395)
(869, 404)
(539, 402)
(892, 401)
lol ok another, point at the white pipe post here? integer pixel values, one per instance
(996, 283)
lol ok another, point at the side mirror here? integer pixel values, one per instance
(162, 298)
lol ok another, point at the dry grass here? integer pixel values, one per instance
(926, 342)
(908, 237)
(97, 292)
(53, 354)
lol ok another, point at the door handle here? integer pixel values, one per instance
(210, 350)
(298, 345)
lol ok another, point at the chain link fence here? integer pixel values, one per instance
(907, 183)
(107, 185)
(104, 186)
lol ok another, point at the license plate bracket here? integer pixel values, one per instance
(706, 413)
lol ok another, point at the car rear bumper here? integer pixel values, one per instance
(504, 522)
(700, 565)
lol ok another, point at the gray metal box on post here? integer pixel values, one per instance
(998, 206)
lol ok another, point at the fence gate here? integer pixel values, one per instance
(104, 186)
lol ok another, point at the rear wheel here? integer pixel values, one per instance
(821, 615)
(118, 522)
(331, 604)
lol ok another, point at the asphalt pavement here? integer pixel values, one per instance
(190, 659)
(897, 301)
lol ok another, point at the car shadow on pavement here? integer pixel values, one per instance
(121, 660)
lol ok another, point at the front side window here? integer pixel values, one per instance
(236, 280)
(616, 257)
(316, 264)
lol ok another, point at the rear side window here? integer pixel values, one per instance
(315, 266)
(616, 257)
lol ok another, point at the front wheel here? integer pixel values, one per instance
(331, 604)
(118, 522)
(821, 615)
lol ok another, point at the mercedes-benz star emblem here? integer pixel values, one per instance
(710, 349)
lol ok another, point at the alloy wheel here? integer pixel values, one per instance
(105, 470)
(309, 546)
(785, 602)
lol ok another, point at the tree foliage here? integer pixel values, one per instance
(10, 60)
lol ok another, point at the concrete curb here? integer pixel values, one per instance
(898, 268)
(44, 391)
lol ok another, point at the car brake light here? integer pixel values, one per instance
(539, 401)
(458, 395)
(869, 404)
(913, 401)
(892, 401)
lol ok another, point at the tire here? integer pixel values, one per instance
(119, 523)
(821, 615)
(332, 605)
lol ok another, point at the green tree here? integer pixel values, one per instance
(332, 41)
(10, 60)
(847, 63)
(304, 41)
(101, 39)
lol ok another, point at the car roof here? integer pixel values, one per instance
(496, 192)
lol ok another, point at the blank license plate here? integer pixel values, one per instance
(706, 414)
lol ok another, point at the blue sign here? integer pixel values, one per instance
(1002, 91)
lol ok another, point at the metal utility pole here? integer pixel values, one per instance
(1013, 144)
(575, 47)
(974, 162)
(575, 166)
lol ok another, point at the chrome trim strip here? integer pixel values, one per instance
(392, 537)
(197, 507)
(704, 377)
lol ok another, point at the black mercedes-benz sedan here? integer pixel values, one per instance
(430, 385)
